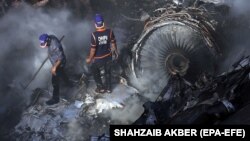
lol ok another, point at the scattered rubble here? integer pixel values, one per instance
(219, 99)
(174, 56)
(71, 120)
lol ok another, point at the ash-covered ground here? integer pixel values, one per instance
(81, 114)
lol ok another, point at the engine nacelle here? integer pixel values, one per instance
(174, 42)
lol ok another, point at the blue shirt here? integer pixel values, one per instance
(55, 51)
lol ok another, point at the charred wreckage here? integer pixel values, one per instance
(175, 59)
(178, 53)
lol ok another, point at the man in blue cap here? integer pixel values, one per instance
(103, 47)
(58, 60)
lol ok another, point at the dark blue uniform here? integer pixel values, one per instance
(101, 41)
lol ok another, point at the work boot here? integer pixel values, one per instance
(52, 101)
(99, 90)
(108, 91)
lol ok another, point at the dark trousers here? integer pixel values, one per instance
(60, 74)
(96, 71)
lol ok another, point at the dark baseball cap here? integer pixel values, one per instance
(99, 20)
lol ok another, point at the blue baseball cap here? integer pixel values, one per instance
(43, 38)
(99, 20)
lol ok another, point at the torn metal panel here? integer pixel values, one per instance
(219, 101)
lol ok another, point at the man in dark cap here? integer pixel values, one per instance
(58, 60)
(103, 47)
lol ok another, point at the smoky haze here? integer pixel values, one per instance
(240, 6)
(21, 56)
(236, 33)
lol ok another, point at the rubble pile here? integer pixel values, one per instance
(212, 100)
(80, 119)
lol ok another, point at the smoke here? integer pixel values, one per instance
(75, 131)
(146, 85)
(21, 56)
(123, 106)
(20, 47)
(131, 111)
(239, 7)
(236, 33)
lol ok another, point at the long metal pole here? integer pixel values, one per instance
(34, 76)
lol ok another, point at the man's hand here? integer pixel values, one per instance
(116, 55)
(114, 50)
(56, 65)
(91, 56)
(88, 60)
(53, 70)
